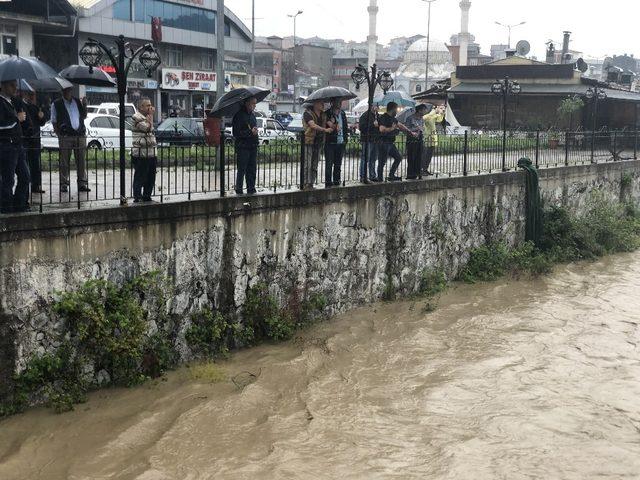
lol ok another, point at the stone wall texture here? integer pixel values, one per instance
(345, 243)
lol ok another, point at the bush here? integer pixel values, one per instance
(209, 334)
(432, 282)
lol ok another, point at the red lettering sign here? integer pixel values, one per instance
(193, 85)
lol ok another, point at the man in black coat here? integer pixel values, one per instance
(37, 119)
(335, 144)
(12, 162)
(245, 132)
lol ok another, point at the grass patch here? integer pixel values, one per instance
(206, 372)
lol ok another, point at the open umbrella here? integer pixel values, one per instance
(229, 104)
(329, 93)
(16, 68)
(46, 85)
(401, 98)
(83, 75)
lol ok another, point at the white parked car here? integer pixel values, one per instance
(268, 130)
(112, 109)
(102, 132)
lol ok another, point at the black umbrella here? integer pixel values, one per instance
(15, 68)
(329, 93)
(82, 75)
(47, 85)
(229, 104)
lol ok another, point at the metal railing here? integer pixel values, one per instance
(185, 172)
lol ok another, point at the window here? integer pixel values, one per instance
(418, 88)
(227, 28)
(122, 10)
(113, 122)
(206, 61)
(101, 122)
(173, 15)
(174, 58)
(9, 45)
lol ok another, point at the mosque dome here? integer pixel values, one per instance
(438, 51)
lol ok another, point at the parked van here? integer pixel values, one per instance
(113, 109)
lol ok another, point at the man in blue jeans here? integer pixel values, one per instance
(12, 158)
(245, 132)
(368, 125)
(389, 127)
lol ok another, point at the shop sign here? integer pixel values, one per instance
(196, 80)
(144, 83)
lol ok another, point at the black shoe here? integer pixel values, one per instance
(376, 180)
(365, 181)
(38, 190)
(239, 192)
(428, 174)
(252, 192)
(23, 209)
(393, 178)
(84, 188)
(337, 184)
(137, 200)
(147, 199)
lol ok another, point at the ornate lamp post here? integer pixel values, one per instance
(94, 52)
(595, 94)
(360, 76)
(505, 88)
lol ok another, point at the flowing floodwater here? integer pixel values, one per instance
(509, 380)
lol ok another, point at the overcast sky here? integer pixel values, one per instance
(599, 28)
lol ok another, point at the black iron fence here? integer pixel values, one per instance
(191, 171)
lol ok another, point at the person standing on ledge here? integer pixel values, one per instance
(245, 132)
(143, 152)
(335, 145)
(389, 127)
(415, 123)
(67, 117)
(10, 147)
(433, 117)
(314, 121)
(368, 126)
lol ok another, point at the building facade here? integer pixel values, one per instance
(186, 82)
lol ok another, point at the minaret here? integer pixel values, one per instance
(465, 6)
(372, 38)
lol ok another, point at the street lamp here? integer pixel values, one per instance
(295, 89)
(509, 27)
(505, 88)
(92, 54)
(595, 94)
(426, 74)
(373, 79)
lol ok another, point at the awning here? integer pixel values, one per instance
(546, 89)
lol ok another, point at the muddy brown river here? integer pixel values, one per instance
(510, 380)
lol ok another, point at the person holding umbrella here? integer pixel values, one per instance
(12, 163)
(368, 125)
(335, 144)
(389, 127)
(37, 119)
(433, 117)
(314, 121)
(245, 132)
(67, 116)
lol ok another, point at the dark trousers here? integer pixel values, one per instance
(428, 155)
(388, 150)
(414, 153)
(13, 163)
(333, 154)
(33, 160)
(247, 166)
(144, 177)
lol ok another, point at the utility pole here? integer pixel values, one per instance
(253, 41)
(220, 49)
(426, 73)
(509, 27)
(295, 88)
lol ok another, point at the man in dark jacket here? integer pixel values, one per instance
(12, 163)
(32, 142)
(389, 127)
(67, 116)
(368, 126)
(245, 132)
(335, 144)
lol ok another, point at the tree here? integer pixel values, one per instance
(568, 108)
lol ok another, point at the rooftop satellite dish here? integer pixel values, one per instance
(582, 65)
(523, 48)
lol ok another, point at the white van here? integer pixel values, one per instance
(112, 109)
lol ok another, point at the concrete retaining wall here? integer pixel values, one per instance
(345, 243)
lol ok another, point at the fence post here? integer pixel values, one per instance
(635, 144)
(420, 156)
(537, 148)
(566, 148)
(221, 163)
(615, 146)
(465, 159)
(302, 154)
(593, 146)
